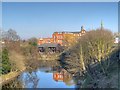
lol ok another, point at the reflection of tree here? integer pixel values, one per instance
(32, 78)
(68, 80)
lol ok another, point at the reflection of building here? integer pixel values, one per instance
(58, 37)
(63, 76)
(58, 76)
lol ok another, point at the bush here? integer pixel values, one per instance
(6, 66)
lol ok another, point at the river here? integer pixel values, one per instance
(47, 75)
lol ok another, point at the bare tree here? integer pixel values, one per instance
(10, 35)
(94, 46)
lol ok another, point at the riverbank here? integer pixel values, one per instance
(49, 57)
(94, 77)
(103, 81)
(17, 67)
(20, 62)
(9, 77)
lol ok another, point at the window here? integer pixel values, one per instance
(80, 34)
(48, 41)
(60, 41)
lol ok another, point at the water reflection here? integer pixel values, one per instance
(47, 77)
(63, 76)
(29, 80)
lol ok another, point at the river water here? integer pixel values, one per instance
(48, 76)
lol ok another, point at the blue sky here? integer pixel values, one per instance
(60, 0)
(42, 19)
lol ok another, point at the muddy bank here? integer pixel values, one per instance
(55, 56)
(49, 58)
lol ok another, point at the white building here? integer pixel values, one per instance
(116, 40)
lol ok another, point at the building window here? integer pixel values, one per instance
(80, 34)
(59, 41)
(48, 41)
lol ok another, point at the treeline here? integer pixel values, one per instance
(10, 38)
(13, 43)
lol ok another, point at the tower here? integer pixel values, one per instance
(101, 25)
(81, 28)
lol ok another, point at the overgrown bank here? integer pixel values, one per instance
(12, 68)
(15, 61)
(93, 60)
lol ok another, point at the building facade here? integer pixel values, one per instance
(58, 37)
(45, 40)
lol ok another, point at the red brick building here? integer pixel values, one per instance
(45, 40)
(58, 37)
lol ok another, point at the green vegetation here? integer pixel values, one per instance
(6, 66)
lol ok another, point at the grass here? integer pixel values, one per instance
(7, 77)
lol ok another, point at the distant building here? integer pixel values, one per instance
(51, 47)
(45, 40)
(58, 37)
(116, 40)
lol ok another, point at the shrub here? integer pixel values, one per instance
(6, 66)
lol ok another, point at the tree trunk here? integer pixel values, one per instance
(82, 59)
